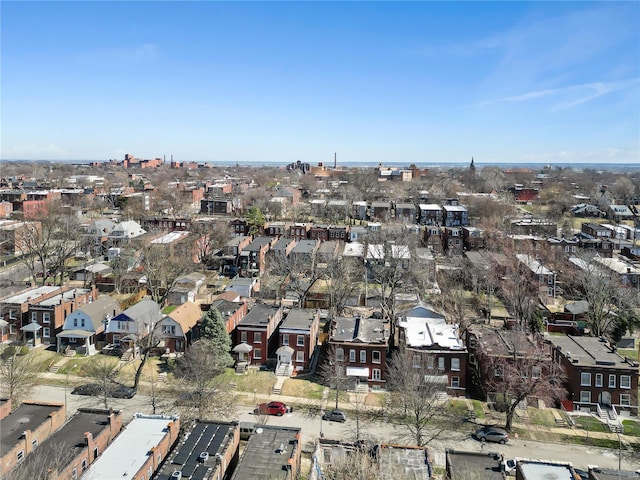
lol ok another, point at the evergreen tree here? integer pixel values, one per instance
(214, 330)
(255, 219)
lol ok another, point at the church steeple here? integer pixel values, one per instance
(472, 167)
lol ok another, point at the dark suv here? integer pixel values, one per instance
(335, 415)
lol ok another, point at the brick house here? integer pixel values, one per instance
(84, 436)
(239, 226)
(29, 424)
(595, 230)
(339, 232)
(405, 213)
(541, 276)
(452, 241)
(489, 346)
(472, 238)
(176, 329)
(299, 231)
(298, 334)
(252, 257)
(432, 239)
(276, 229)
(380, 211)
(165, 224)
(319, 232)
(361, 347)
(431, 341)
(232, 312)
(598, 377)
(258, 330)
(455, 216)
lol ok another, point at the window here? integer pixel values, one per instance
(243, 337)
(82, 322)
(585, 379)
(116, 339)
(440, 363)
(455, 382)
(625, 381)
(84, 464)
(599, 378)
(257, 353)
(257, 337)
(46, 317)
(20, 455)
(95, 452)
(376, 374)
(376, 357)
(34, 443)
(536, 372)
(625, 399)
(169, 329)
(455, 364)
(285, 339)
(612, 381)
(34, 316)
(300, 356)
(585, 396)
(75, 322)
(12, 329)
(339, 355)
(149, 471)
(363, 356)
(300, 341)
(326, 454)
(12, 314)
(46, 332)
(416, 361)
(549, 292)
(352, 355)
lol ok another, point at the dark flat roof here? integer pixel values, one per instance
(68, 441)
(263, 458)
(27, 416)
(258, 316)
(485, 465)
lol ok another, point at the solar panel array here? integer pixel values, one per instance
(203, 438)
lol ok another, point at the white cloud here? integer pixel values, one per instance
(573, 95)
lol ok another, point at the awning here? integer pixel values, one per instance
(32, 327)
(285, 349)
(3, 323)
(242, 348)
(436, 379)
(75, 333)
(357, 372)
(130, 338)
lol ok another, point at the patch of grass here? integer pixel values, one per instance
(591, 424)
(458, 408)
(168, 309)
(478, 407)
(44, 358)
(81, 365)
(296, 387)
(262, 382)
(541, 417)
(374, 400)
(631, 427)
(629, 352)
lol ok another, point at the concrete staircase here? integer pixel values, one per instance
(277, 388)
(126, 356)
(362, 388)
(282, 370)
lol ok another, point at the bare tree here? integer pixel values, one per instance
(611, 304)
(200, 390)
(333, 371)
(18, 374)
(163, 265)
(103, 371)
(357, 464)
(526, 372)
(210, 238)
(414, 393)
(342, 275)
(45, 463)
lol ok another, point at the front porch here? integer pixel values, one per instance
(82, 341)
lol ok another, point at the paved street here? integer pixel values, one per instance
(580, 456)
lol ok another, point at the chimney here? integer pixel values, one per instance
(335, 160)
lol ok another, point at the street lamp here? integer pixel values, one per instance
(321, 418)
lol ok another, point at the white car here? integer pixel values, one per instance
(509, 466)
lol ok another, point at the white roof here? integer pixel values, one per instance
(130, 450)
(534, 265)
(353, 249)
(30, 294)
(171, 237)
(428, 332)
(618, 265)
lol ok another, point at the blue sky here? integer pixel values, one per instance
(375, 82)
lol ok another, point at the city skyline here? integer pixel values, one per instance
(413, 82)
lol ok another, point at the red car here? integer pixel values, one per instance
(271, 408)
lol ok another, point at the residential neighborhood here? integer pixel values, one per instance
(409, 303)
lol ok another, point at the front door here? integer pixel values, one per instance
(605, 399)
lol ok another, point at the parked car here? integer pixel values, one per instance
(122, 391)
(271, 408)
(335, 415)
(509, 465)
(93, 389)
(492, 434)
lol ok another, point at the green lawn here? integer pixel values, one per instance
(631, 427)
(457, 408)
(541, 417)
(254, 381)
(591, 424)
(479, 409)
(296, 387)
